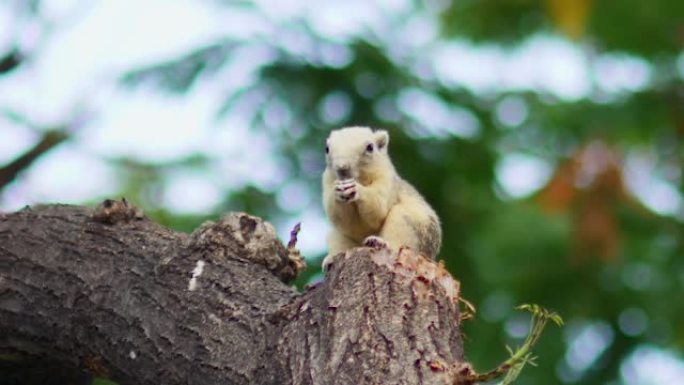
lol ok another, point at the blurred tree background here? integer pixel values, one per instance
(548, 135)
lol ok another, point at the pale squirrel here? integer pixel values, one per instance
(366, 200)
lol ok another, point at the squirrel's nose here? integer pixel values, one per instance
(344, 171)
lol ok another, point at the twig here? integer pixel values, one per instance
(49, 140)
(293, 253)
(293, 236)
(469, 311)
(514, 365)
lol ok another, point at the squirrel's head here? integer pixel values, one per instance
(356, 152)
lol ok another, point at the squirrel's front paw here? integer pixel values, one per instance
(345, 190)
(327, 262)
(375, 242)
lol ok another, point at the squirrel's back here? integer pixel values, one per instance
(422, 219)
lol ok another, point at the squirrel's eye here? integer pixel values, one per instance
(369, 148)
(327, 149)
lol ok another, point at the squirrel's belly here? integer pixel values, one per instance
(348, 221)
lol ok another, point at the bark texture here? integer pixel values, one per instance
(112, 293)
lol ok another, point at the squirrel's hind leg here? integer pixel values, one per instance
(337, 243)
(399, 230)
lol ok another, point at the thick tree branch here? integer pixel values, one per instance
(142, 304)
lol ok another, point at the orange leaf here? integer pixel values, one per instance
(569, 16)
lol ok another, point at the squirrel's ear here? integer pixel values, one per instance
(381, 139)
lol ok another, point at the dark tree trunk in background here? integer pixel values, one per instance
(112, 293)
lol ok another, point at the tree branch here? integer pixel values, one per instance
(126, 298)
(49, 140)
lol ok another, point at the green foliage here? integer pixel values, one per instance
(522, 356)
(179, 75)
(501, 21)
(638, 27)
(643, 28)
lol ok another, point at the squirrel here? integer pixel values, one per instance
(368, 203)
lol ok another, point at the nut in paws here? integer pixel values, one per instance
(345, 190)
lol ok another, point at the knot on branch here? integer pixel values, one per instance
(112, 212)
(243, 236)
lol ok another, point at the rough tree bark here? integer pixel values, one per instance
(111, 292)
